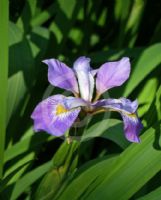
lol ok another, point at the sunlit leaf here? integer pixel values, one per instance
(145, 64)
(135, 162)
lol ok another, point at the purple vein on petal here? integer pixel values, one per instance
(112, 74)
(60, 75)
(128, 111)
(53, 116)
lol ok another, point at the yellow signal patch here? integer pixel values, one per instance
(60, 109)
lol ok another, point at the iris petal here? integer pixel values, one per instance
(54, 116)
(60, 75)
(132, 127)
(112, 74)
(85, 77)
(128, 111)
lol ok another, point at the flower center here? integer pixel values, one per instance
(60, 109)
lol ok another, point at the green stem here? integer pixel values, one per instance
(3, 76)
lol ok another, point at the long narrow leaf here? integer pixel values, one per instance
(29, 179)
(27, 144)
(146, 63)
(133, 168)
(3, 75)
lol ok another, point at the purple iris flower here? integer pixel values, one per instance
(57, 113)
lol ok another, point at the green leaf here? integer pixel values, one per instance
(16, 92)
(21, 59)
(120, 178)
(15, 165)
(15, 34)
(21, 69)
(158, 103)
(64, 154)
(44, 16)
(49, 185)
(144, 98)
(64, 163)
(122, 10)
(111, 129)
(145, 64)
(124, 179)
(93, 174)
(154, 112)
(39, 40)
(66, 14)
(27, 144)
(28, 179)
(112, 54)
(6, 180)
(26, 15)
(4, 14)
(134, 20)
(21, 79)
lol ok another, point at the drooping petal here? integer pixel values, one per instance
(128, 111)
(60, 75)
(85, 76)
(54, 115)
(132, 127)
(122, 105)
(112, 74)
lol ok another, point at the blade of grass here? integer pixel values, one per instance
(3, 74)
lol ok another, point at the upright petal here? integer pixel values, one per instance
(112, 74)
(54, 115)
(128, 111)
(60, 75)
(85, 76)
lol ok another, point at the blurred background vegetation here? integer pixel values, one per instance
(39, 166)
